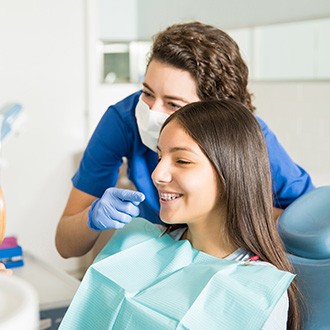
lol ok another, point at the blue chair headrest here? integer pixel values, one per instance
(304, 226)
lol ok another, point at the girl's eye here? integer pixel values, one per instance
(183, 162)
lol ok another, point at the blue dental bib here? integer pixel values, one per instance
(143, 281)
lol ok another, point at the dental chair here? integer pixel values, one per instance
(305, 230)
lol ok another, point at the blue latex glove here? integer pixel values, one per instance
(114, 209)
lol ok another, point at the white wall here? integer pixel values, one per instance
(42, 67)
(298, 112)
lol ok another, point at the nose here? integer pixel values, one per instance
(157, 105)
(161, 174)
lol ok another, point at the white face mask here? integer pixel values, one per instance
(149, 123)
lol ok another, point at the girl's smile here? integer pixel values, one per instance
(183, 172)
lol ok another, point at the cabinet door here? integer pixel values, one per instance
(323, 49)
(285, 52)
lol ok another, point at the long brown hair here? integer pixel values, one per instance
(210, 55)
(232, 139)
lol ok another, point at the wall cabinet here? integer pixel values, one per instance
(292, 51)
(298, 50)
(284, 52)
(323, 53)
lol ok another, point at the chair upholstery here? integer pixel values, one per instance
(305, 230)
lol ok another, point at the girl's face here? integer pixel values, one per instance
(186, 180)
(167, 89)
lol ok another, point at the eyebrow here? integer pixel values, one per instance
(171, 97)
(175, 149)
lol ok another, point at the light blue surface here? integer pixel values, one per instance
(305, 225)
(152, 282)
(305, 229)
(8, 115)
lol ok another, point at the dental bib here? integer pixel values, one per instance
(143, 281)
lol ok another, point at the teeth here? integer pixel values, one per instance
(168, 197)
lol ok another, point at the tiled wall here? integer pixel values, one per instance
(299, 114)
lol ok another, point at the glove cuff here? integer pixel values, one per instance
(90, 223)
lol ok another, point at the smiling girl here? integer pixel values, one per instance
(214, 185)
(213, 178)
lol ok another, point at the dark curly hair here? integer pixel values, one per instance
(210, 55)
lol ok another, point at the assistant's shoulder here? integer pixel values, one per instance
(127, 105)
(262, 124)
(121, 114)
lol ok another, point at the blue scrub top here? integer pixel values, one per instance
(116, 136)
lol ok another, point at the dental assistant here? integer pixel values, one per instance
(189, 62)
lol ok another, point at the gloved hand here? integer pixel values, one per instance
(114, 209)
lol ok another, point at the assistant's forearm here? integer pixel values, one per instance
(73, 237)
